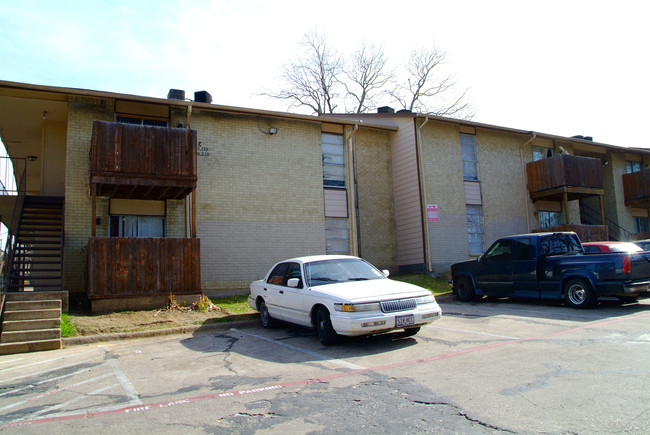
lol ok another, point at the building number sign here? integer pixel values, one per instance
(203, 151)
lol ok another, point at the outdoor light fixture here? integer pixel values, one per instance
(31, 158)
(273, 130)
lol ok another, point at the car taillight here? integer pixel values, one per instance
(627, 264)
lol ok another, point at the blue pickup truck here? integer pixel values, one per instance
(551, 266)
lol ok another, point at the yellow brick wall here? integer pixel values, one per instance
(259, 196)
(376, 214)
(78, 205)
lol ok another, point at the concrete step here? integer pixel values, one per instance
(32, 305)
(30, 335)
(39, 295)
(29, 346)
(21, 325)
(32, 314)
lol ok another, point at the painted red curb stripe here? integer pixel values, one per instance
(235, 393)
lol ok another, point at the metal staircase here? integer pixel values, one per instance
(37, 254)
(589, 216)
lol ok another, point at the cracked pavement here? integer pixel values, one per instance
(489, 367)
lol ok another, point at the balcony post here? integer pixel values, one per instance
(602, 210)
(565, 204)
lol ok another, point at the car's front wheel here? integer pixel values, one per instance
(326, 333)
(465, 289)
(265, 316)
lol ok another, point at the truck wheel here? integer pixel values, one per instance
(465, 289)
(326, 333)
(578, 294)
(267, 321)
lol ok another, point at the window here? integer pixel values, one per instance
(540, 153)
(559, 244)
(333, 160)
(548, 219)
(500, 251)
(641, 224)
(141, 121)
(283, 272)
(336, 236)
(524, 250)
(468, 153)
(475, 229)
(137, 226)
(632, 167)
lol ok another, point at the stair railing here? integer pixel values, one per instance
(19, 166)
(590, 216)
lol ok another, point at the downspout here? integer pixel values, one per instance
(352, 171)
(523, 178)
(423, 189)
(188, 222)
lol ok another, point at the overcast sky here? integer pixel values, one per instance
(559, 67)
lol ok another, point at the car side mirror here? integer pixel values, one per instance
(293, 282)
(385, 272)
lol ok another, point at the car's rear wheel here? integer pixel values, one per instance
(578, 294)
(326, 333)
(265, 316)
(408, 332)
(465, 289)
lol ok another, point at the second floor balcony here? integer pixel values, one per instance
(142, 162)
(636, 189)
(564, 177)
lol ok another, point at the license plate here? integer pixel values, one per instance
(406, 320)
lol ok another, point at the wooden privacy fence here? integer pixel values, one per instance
(134, 267)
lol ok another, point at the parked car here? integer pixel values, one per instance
(596, 247)
(643, 244)
(551, 266)
(340, 295)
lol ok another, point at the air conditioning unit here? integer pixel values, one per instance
(202, 97)
(176, 94)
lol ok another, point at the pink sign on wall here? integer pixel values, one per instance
(432, 213)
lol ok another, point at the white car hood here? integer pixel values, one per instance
(372, 290)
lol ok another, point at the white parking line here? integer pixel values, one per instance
(15, 390)
(48, 370)
(39, 396)
(130, 390)
(473, 332)
(307, 352)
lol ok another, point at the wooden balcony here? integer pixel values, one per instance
(564, 177)
(636, 189)
(141, 162)
(143, 267)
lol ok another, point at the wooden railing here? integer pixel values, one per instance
(636, 189)
(142, 162)
(133, 267)
(564, 170)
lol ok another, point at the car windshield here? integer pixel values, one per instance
(340, 270)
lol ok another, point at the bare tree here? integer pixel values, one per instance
(312, 79)
(367, 76)
(321, 81)
(421, 89)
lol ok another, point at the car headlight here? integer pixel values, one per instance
(425, 300)
(355, 308)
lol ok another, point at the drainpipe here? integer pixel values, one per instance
(423, 190)
(188, 211)
(523, 177)
(352, 171)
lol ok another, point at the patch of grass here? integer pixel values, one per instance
(437, 286)
(237, 304)
(67, 328)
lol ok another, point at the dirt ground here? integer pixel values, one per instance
(142, 320)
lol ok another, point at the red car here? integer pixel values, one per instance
(593, 247)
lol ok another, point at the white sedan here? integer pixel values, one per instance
(340, 295)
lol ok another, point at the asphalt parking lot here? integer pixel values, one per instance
(487, 367)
